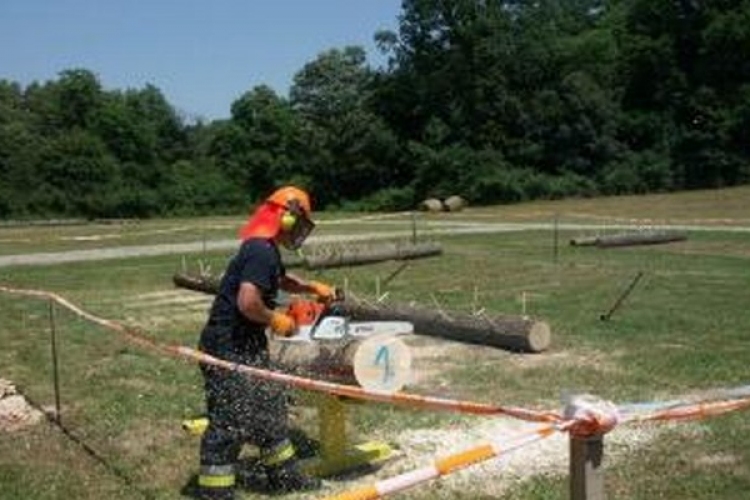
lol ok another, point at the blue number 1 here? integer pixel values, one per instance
(384, 354)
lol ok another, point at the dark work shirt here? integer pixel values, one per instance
(228, 331)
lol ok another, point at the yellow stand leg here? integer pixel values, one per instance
(195, 426)
(336, 455)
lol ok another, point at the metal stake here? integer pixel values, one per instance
(55, 374)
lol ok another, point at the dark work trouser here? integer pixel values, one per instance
(241, 409)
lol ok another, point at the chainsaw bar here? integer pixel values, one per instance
(339, 328)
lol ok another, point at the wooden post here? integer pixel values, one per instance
(413, 228)
(586, 468)
(555, 239)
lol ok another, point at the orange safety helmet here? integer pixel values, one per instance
(287, 195)
(284, 215)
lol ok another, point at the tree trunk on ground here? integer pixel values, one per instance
(629, 239)
(352, 256)
(198, 283)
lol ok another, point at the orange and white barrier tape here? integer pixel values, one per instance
(584, 416)
(443, 466)
(414, 400)
(693, 411)
(587, 415)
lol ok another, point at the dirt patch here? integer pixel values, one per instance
(15, 412)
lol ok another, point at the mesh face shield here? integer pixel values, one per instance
(296, 235)
(299, 232)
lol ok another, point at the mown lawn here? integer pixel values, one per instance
(683, 329)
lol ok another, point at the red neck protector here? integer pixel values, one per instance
(265, 222)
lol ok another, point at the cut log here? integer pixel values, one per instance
(197, 282)
(333, 362)
(353, 256)
(377, 363)
(345, 256)
(584, 241)
(629, 239)
(517, 333)
(640, 238)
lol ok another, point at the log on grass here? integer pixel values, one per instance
(584, 241)
(355, 256)
(516, 333)
(629, 239)
(203, 283)
(639, 238)
(345, 257)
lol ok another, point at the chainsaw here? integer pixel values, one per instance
(317, 321)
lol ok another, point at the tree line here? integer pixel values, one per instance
(497, 101)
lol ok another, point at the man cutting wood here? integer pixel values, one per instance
(242, 409)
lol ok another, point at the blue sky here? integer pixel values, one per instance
(201, 54)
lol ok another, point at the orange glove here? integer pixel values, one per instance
(325, 293)
(282, 324)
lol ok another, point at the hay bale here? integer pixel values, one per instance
(431, 205)
(454, 204)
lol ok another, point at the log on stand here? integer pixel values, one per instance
(381, 363)
(332, 362)
(517, 333)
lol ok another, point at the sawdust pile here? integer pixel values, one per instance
(493, 477)
(15, 412)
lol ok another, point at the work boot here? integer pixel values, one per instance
(287, 476)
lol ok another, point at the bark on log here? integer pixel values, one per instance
(198, 283)
(352, 256)
(585, 241)
(348, 256)
(332, 362)
(515, 333)
(629, 239)
(644, 238)
(381, 363)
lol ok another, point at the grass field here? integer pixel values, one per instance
(684, 329)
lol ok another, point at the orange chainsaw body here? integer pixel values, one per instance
(304, 312)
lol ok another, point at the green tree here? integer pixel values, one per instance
(349, 152)
(265, 127)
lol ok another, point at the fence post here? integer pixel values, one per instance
(55, 373)
(414, 228)
(586, 468)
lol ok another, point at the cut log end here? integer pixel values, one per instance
(381, 363)
(539, 336)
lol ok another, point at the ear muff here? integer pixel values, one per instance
(288, 220)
